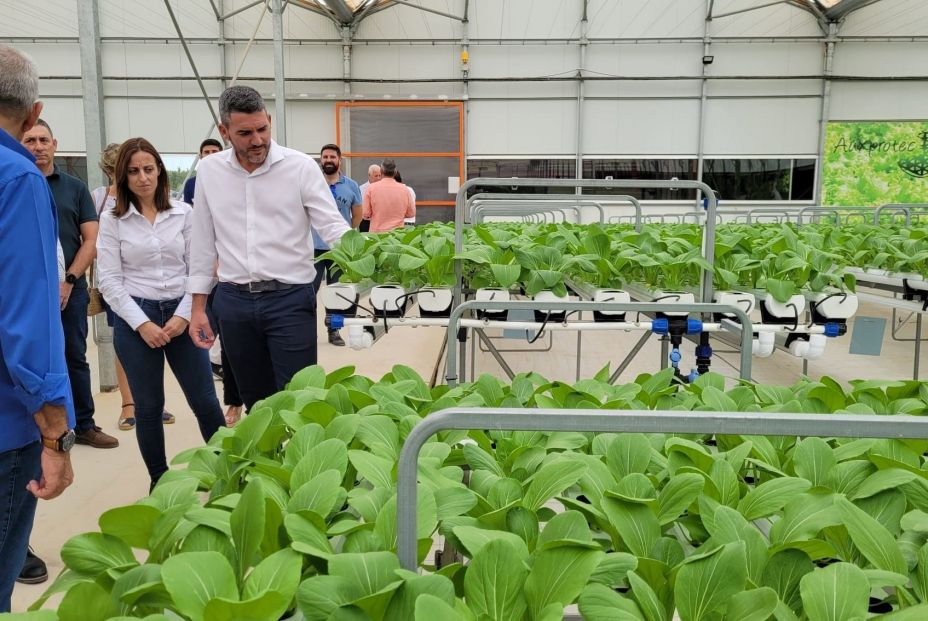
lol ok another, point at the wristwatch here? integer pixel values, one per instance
(70, 278)
(62, 443)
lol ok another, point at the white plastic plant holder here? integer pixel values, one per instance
(341, 298)
(738, 299)
(763, 344)
(834, 304)
(550, 315)
(790, 309)
(492, 294)
(389, 299)
(435, 301)
(612, 295)
(674, 297)
(876, 271)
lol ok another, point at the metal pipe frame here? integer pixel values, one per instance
(602, 199)
(280, 83)
(458, 311)
(515, 209)
(624, 421)
(708, 243)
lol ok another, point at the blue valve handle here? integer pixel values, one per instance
(337, 322)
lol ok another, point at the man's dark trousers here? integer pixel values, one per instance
(74, 322)
(17, 508)
(268, 336)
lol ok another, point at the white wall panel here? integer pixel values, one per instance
(521, 127)
(776, 59)
(880, 59)
(59, 59)
(406, 22)
(523, 60)
(525, 19)
(310, 125)
(51, 18)
(173, 126)
(640, 127)
(66, 118)
(646, 18)
(665, 59)
(762, 126)
(860, 101)
(131, 18)
(888, 17)
(401, 62)
(145, 59)
(780, 20)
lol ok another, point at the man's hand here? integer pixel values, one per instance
(175, 326)
(64, 294)
(153, 335)
(199, 330)
(57, 475)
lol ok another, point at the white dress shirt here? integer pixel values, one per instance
(136, 258)
(257, 225)
(412, 195)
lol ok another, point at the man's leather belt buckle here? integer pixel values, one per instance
(265, 286)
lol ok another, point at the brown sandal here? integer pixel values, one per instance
(232, 418)
(127, 423)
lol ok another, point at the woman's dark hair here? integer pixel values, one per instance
(124, 195)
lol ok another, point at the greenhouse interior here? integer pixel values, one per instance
(409, 268)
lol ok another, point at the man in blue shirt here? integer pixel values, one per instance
(207, 147)
(347, 196)
(36, 414)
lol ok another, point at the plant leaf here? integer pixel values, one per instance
(194, 578)
(550, 480)
(706, 585)
(871, 538)
(840, 592)
(770, 496)
(493, 582)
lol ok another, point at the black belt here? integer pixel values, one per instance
(262, 286)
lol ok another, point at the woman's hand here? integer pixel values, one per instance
(175, 326)
(153, 335)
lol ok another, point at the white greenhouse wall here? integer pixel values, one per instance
(524, 54)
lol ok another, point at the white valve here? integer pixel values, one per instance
(359, 338)
(763, 344)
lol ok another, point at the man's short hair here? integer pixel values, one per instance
(372, 168)
(46, 126)
(210, 142)
(389, 168)
(19, 82)
(331, 147)
(242, 99)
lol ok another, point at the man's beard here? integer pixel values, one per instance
(256, 156)
(329, 168)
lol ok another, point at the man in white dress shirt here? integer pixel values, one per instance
(256, 204)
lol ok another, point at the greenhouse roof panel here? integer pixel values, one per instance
(834, 9)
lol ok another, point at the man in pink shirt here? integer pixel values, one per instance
(387, 202)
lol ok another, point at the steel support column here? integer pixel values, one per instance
(827, 69)
(88, 26)
(280, 89)
(703, 99)
(584, 24)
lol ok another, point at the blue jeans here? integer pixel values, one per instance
(17, 509)
(267, 336)
(144, 368)
(74, 322)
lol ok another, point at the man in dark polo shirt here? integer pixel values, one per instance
(77, 231)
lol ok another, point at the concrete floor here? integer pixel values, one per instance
(108, 478)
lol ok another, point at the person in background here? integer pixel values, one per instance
(77, 230)
(387, 202)
(36, 411)
(347, 197)
(207, 147)
(412, 195)
(142, 262)
(374, 174)
(104, 199)
(255, 206)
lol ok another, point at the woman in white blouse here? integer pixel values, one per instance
(142, 252)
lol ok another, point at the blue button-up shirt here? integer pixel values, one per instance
(34, 371)
(346, 193)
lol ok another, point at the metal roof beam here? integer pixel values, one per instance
(342, 11)
(844, 7)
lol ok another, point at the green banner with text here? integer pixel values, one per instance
(875, 163)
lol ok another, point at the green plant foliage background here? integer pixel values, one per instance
(874, 163)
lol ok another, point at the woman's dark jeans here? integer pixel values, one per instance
(144, 368)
